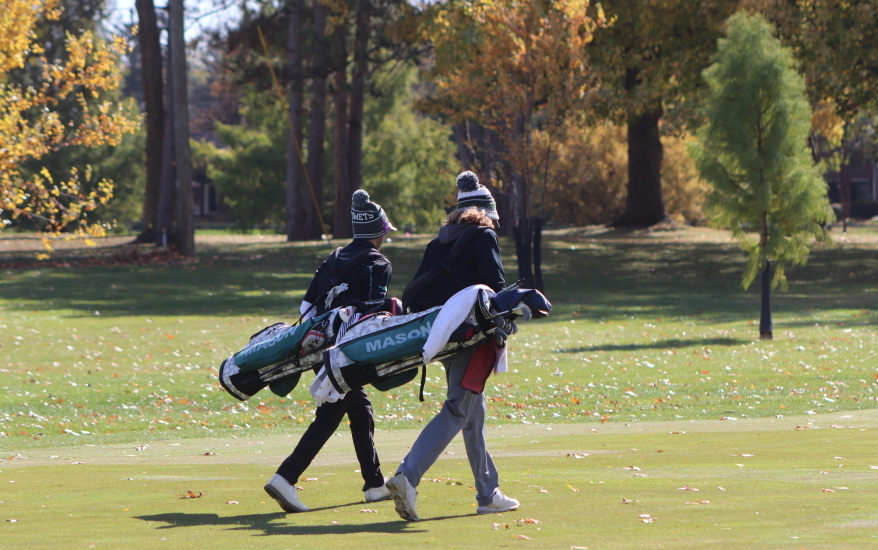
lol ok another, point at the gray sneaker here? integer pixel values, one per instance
(500, 503)
(285, 494)
(404, 496)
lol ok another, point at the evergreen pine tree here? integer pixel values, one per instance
(753, 149)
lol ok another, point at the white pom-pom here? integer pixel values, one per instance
(360, 199)
(467, 181)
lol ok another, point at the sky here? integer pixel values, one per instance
(201, 15)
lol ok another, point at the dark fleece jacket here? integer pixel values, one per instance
(478, 263)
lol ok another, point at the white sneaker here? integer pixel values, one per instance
(377, 494)
(404, 496)
(500, 503)
(285, 494)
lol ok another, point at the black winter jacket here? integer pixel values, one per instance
(478, 263)
(366, 283)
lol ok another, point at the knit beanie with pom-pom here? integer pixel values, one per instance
(368, 218)
(471, 193)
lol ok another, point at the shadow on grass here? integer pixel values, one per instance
(270, 279)
(270, 524)
(612, 278)
(663, 344)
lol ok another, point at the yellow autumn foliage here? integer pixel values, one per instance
(32, 126)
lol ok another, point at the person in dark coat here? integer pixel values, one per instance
(478, 263)
(365, 283)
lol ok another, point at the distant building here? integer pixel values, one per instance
(863, 184)
(209, 204)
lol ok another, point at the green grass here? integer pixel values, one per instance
(761, 483)
(651, 334)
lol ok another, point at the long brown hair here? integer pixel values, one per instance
(470, 215)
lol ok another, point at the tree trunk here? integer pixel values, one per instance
(296, 209)
(317, 124)
(151, 77)
(181, 130)
(164, 218)
(341, 226)
(538, 253)
(522, 230)
(844, 191)
(358, 95)
(644, 206)
(465, 151)
(766, 328)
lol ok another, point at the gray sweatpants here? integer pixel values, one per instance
(462, 410)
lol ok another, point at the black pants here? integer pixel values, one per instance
(357, 406)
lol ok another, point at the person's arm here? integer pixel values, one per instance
(311, 295)
(488, 261)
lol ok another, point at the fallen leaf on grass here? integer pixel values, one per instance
(310, 479)
(838, 458)
(687, 488)
(572, 488)
(141, 448)
(646, 518)
(720, 488)
(632, 468)
(522, 537)
(232, 502)
(190, 494)
(528, 520)
(575, 455)
(209, 454)
(828, 491)
(640, 475)
(368, 511)
(699, 502)
(626, 501)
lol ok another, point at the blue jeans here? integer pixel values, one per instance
(464, 411)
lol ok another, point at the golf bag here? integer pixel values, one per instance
(353, 350)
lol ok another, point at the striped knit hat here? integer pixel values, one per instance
(368, 218)
(471, 193)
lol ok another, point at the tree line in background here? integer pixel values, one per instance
(572, 112)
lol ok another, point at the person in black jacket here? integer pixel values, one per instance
(478, 263)
(364, 283)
